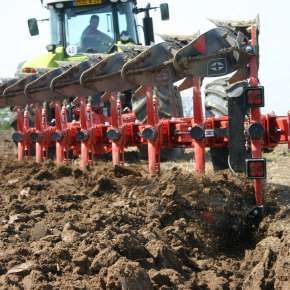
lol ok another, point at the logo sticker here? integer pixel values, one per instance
(217, 67)
(72, 50)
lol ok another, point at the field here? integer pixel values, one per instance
(118, 228)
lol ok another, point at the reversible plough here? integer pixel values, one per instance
(92, 133)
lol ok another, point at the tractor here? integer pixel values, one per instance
(117, 30)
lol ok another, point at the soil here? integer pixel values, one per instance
(118, 228)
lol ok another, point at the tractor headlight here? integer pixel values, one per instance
(29, 70)
(51, 47)
(59, 5)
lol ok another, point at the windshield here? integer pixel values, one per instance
(54, 26)
(126, 21)
(93, 28)
(90, 29)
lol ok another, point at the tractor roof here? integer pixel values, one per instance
(45, 2)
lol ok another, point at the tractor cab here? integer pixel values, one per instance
(95, 26)
(84, 26)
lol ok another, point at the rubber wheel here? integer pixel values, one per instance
(216, 98)
(216, 105)
(170, 105)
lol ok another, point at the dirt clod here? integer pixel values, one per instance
(44, 175)
(128, 275)
(22, 268)
(105, 258)
(35, 280)
(63, 171)
(69, 234)
(164, 255)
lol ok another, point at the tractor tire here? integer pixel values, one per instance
(216, 105)
(170, 105)
(216, 98)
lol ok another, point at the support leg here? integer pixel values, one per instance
(84, 156)
(20, 151)
(38, 152)
(288, 130)
(59, 152)
(117, 145)
(84, 145)
(199, 147)
(152, 122)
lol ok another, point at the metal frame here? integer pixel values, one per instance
(94, 134)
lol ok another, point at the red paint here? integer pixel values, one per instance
(20, 128)
(116, 123)
(199, 148)
(39, 128)
(207, 216)
(152, 121)
(84, 144)
(200, 45)
(61, 128)
(288, 130)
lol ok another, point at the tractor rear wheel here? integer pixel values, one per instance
(216, 105)
(169, 105)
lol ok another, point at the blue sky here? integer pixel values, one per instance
(187, 17)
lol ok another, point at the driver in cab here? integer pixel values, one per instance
(95, 40)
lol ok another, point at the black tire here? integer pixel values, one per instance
(170, 105)
(216, 98)
(216, 105)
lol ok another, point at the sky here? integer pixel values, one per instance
(186, 17)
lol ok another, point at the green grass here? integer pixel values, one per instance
(5, 117)
(4, 126)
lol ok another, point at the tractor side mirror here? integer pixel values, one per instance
(164, 8)
(33, 26)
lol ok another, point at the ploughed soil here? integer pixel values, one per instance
(118, 228)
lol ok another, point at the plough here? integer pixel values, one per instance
(93, 133)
